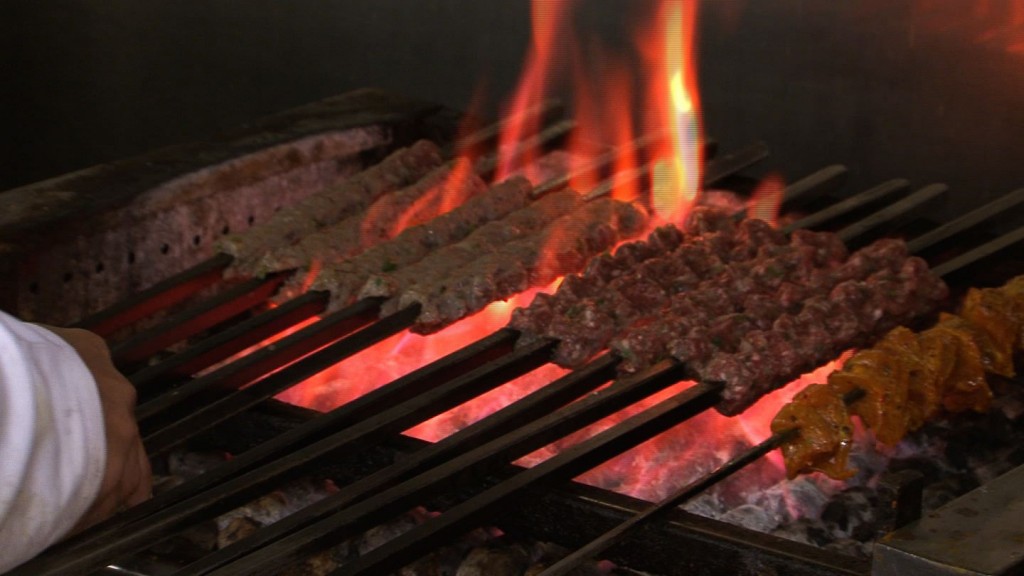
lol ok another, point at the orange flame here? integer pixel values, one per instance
(675, 181)
(604, 104)
(541, 63)
(766, 201)
(451, 192)
(605, 112)
(996, 23)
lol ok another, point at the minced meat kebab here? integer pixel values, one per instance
(742, 305)
(365, 228)
(289, 225)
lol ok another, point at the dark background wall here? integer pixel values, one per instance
(931, 90)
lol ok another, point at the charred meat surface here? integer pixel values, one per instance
(345, 280)
(369, 227)
(564, 245)
(291, 224)
(494, 235)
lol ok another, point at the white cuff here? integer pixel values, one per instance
(52, 440)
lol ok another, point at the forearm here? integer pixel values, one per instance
(52, 440)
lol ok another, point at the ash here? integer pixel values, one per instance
(483, 552)
(953, 455)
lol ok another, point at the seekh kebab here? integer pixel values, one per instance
(365, 228)
(752, 310)
(289, 225)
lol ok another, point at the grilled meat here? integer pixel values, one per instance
(565, 244)
(366, 228)
(344, 280)
(289, 225)
(826, 432)
(447, 262)
(907, 377)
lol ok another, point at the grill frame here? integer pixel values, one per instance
(718, 543)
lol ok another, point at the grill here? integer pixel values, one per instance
(169, 337)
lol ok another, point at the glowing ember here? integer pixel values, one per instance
(661, 465)
(397, 356)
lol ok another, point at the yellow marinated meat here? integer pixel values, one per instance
(924, 387)
(884, 381)
(826, 433)
(1014, 292)
(990, 312)
(962, 370)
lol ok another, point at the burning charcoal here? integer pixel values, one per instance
(237, 529)
(491, 561)
(188, 465)
(707, 505)
(379, 535)
(854, 513)
(751, 517)
(324, 208)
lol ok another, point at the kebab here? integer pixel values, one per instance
(485, 239)
(907, 379)
(743, 309)
(346, 278)
(370, 227)
(566, 243)
(289, 225)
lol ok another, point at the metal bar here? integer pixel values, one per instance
(504, 421)
(850, 204)
(521, 441)
(808, 187)
(893, 211)
(542, 112)
(489, 163)
(185, 427)
(729, 164)
(601, 161)
(157, 297)
(715, 170)
(435, 374)
(985, 250)
(231, 341)
(945, 231)
(566, 565)
(564, 466)
(610, 538)
(207, 314)
(387, 410)
(977, 534)
(267, 359)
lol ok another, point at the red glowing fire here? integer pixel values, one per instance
(604, 108)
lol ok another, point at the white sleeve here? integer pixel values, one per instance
(52, 441)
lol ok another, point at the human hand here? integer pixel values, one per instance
(127, 479)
